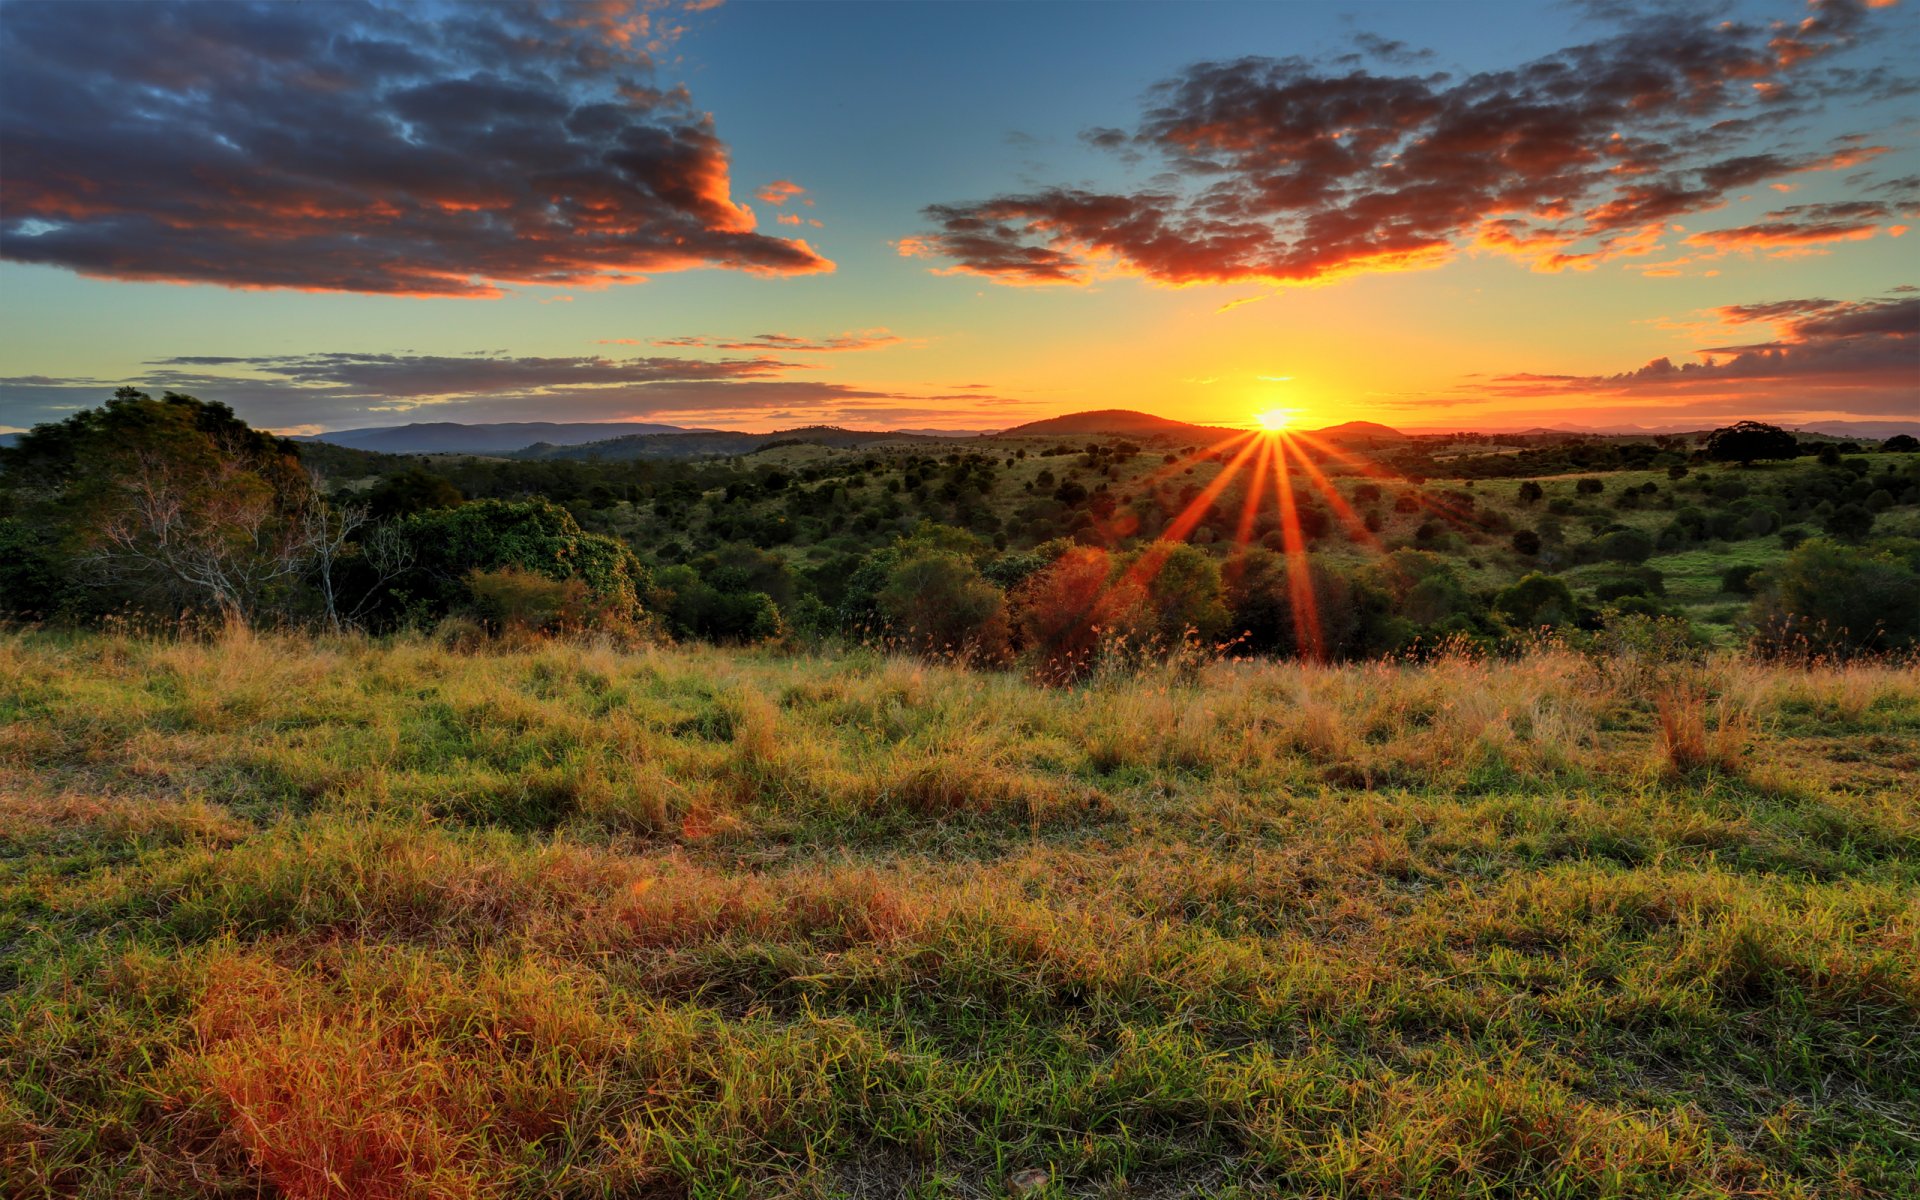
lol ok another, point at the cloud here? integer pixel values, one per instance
(1286, 171)
(866, 339)
(362, 148)
(332, 390)
(1822, 356)
(1802, 225)
(780, 191)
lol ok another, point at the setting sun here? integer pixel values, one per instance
(1274, 419)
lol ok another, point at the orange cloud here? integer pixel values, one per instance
(780, 191)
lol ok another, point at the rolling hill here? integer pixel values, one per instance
(703, 443)
(1123, 421)
(452, 437)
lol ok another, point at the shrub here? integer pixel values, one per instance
(512, 600)
(939, 603)
(1849, 522)
(1830, 598)
(1739, 581)
(1537, 600)
(535, 536)
(1626, 545)
(1068, 609)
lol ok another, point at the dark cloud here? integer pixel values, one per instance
(1389, 50)
(1282, 170)
(869, 339)
(339, 390)
(341, 146)
(1860, 356)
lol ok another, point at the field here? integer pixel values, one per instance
(372, 919)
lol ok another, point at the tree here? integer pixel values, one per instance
(1531, 492)
(1750, 441)
(410, 491)
(1182, 594)
(174, 503)
(1901, 443)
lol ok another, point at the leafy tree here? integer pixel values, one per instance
(1750, 441)
(694, 607)
(1309, 610)
(176, 501)
(1901, 443)
(410, 491)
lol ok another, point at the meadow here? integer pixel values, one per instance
(355, 917)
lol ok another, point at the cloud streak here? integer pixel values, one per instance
(786, 343)
(355, 147)
(338, 389)
(1281, 171)
(1822, 356)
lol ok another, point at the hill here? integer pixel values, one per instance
(452, 437)
(720, 443)
(1362, 434)
(1124, 422)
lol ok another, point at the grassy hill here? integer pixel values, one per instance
(353, 917)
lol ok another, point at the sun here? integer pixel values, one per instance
(1274, 419)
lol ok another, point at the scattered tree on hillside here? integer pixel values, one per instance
(1748, 442)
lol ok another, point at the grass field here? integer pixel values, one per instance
(371, 919)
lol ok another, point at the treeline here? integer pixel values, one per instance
(174, 508)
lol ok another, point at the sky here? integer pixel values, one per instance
(963, 216)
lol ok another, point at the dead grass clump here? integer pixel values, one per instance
(1697, 734)
(383, 1075)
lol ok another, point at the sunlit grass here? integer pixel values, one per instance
(350, 918)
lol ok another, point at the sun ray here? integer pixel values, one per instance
(1306, 610)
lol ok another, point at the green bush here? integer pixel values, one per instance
(1832, 598)
(1537, 600)
(535, 536)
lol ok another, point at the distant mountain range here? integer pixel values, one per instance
(451, 437)
(711, 442)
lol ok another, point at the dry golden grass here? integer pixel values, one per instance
(353, 918)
